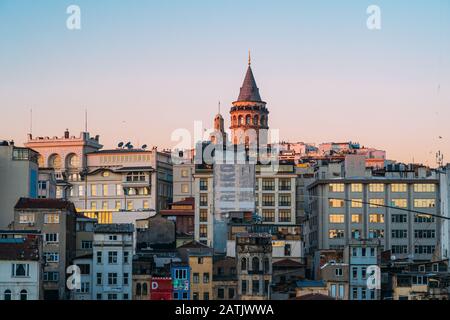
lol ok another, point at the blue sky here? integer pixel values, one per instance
(146, 68)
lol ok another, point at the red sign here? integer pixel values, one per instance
(161, 289)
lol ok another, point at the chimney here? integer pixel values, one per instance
(66, 134)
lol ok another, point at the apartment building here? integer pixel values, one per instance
(395, 205)
(19, 178)
(254, 265)
(20, 265)
(112, 261)
(56, 220)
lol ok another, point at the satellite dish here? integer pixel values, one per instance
(144, 146)
(120, 145)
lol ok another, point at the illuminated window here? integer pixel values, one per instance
(130, 205)
(356, 218)
(105, 189)
(268, 200)
(424, 203)
(284, 200)
(203, 200)
(335, 234)
(203, 215)
(184, 173)
(203, 231)
(357, 187)
(51, 218)
(375, 203)
(185, 188)
(284, 216)
(376, 233)
(336, 187)
(105, 205)
(376, 218)
(336, 218)
(376, 187)
(336, 203)
(401, 203)
(399, 187)
(93, 205)
(357, 203)
(268, 184)
(268, 215)
(145, 204)
(119, 190)
(93, 190)
(424, 187)
(118, 205)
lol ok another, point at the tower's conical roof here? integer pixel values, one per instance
(249, 90)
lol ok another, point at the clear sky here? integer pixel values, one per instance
(146, 68)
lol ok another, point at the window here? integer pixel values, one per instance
(112, 296)
(105, 190)
(354, 252)
(243, 264)
(400, 203)
(185, 188)
(244, 287)
(399, 249)
(93, 190)
(221, 293)
(99, 278)
(354, 272)
(268, 184)
(423, 218)
(23, 295)
(268, 200)
(268, 215)
(356, 234)
(424, 234)
(375, 203)
(285, 184)
(203, 184)
(364, 272)
(203, 200)
(435, 267)
(357, 187)
(93, 205)
(356, 218)
(205, 295)
(333, 291)
(336, 187)
(125, 296)
(424, 249)
(51, 237)
(7, 295)
(267, 263)
(399, 234)
(356, 203)
(341, 291)
(51, 256)
(112, 278)
(195, 296)
(336, 234)
(119, 190)
(206, 277)
(255, 287)
(99, 296)
(112, 257)
(126, 257)
(51, 276)
(184, 173)
(339, 272)
(51, 218)
(336, 203)
(20, 270)
(424, 187)
(105, 205)
(284, 200)
(99, 257)
(203, 231)
(125, 279)
(376, 218)
(284, 215)
(376, 187)
(376, 233)
(196, 277)
(399, 187)
(84, 268)
(145, 204)
(231, 293)
(130, 205)
(336, 218)
(203, 215)
(398, 218)
(135, 177)
(424, 203)
(86, 244)
(84, 287)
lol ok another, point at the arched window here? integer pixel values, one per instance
(248, 119)
(138, 289)
(255, 120)
(263, 120)
(55, 161)
(23, 295)
(266, 265)
(241, 120)
(255, 264)
(247, 140)
(144, 289)
(7, 295)
(72, 161)
(243, 264)
(234, 120)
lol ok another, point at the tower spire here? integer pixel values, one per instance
(249, 58)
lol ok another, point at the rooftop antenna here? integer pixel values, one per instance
(31, 120)
(85, 120)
